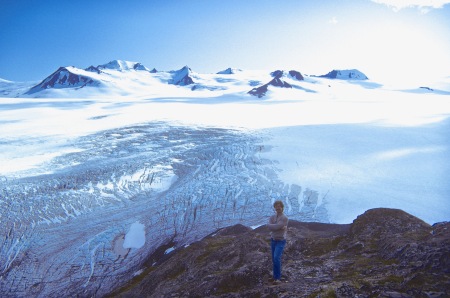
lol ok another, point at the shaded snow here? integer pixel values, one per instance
(135, 238)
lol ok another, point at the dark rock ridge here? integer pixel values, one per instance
(277, 81)
(139, 66)
(93, 69)
(296, 75)
(383, 253)
(347, 74)
(426, 88)
(64, 78)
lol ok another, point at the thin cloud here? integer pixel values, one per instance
(423, 5)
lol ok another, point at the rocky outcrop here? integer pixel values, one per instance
(121, 65)
(64, 77)
(182, 77)
(92, 68)
(347, 74)
(383, 253)
(72, 77)
(277, 81)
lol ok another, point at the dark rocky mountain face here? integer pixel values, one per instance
(182, 77)
(296, 75)
(383, 253)
(93, 69)
(277, 81)
(184, 81)
(63, 78)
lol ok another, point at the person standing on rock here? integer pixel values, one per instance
(278, 229)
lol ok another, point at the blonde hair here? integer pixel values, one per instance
(278, 203)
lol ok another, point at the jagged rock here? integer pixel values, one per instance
(296, 75)
(92, 68)
(62, 78)
(262, 90)
(139, 66)
(182, 77)
(277, 81)
(394, 255)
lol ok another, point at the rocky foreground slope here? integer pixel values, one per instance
(383, 253)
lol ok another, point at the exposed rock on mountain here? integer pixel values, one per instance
(383, 253)
(121, 65)
(65, 77)
(348, 74)
(72, 77)
(119, 77)
(277, 81)
(93, 69)
(182, 77)
(296, 75)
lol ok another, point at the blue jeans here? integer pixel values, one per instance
(277, 250)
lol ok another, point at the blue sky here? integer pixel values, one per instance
(379, 37)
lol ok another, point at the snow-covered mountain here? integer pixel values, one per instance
(121, 65)
(229, 70)
(67, 77)
(120, 78)
(182, 77)
(347, 74)
(102, 76)
(281, 79)
(125, 78)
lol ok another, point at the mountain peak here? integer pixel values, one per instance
(229, 70)
(182, 77)
(122, 65)
(277, 81)
(292, 74)
(92, 68)
(65, 77)
(346, 74)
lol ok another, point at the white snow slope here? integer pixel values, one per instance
(94, 179)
